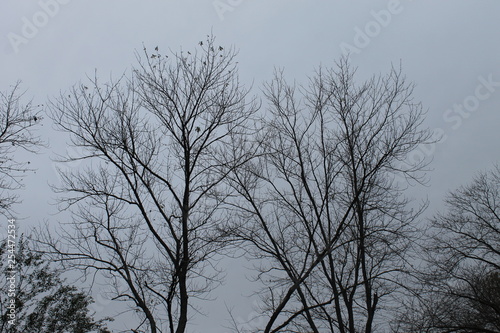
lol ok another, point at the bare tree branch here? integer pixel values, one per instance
(17, 123)
(146, 200)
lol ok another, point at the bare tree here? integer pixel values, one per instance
(17, 122)
(324, 214)
(460, 291)
(146, 198)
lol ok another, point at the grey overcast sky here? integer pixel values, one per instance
(449, 49)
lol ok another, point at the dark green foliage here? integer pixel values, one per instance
(44, 303)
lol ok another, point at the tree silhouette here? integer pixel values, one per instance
(146, 200)
(460, 289)
(321, 210)
(17, 122)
